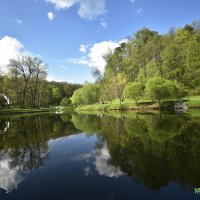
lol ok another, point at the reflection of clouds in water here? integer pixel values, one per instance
(101, 163)
(87, 171)
(85, 156)
(9, 178)
(11, 169)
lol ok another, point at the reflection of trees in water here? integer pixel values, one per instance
(27, 137)
(155, 149)
(23, 149)
(29, 154)
(4, 126)
(25, 145)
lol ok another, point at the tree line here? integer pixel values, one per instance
(150, 65)
(25, 85)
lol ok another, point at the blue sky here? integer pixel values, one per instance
(72, 35)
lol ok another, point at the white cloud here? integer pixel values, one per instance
(95, 57)
(53, 78)
(88, 9)
(51, 16)
(80, 61)
(83, 48)
(9, 48)
(63, 4)
(97, 53)
(19, 21)
(139, 10)
(103, 24)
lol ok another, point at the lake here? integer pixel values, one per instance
(127, 155)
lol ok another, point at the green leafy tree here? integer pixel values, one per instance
(56, 93)
(117, 85)
(134, 91)
(88, 94)
(173, 62)
(160, 88)
(65, 102)
(77, 97)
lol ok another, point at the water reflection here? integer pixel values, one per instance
(99, 161)
(153, 148)
(9, 177)
(25, 145)
(4, 126)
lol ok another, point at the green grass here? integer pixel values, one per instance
(193, 102)
(117, 106)
(145, 104)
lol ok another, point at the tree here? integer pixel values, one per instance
(173, 62)
(134, 91)
(191, 74)
(160, 88)
(27, 74)
(114, 61)
(88, 94)
(117, 85)
(56, 94)
(196, 25)
(1, 83)
(77, 97)
(65, 102)
(99, 79)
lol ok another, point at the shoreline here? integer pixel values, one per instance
(21, 111)
(143, 106)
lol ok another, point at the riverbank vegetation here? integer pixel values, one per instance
(145, 104)
(148, 67)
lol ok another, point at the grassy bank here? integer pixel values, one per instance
(21, 111)
(191, 102)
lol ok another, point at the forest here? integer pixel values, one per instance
(25, 85)
(148, 65)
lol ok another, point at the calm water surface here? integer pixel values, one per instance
(104, 156)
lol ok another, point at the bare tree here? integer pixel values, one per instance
(29, 72)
